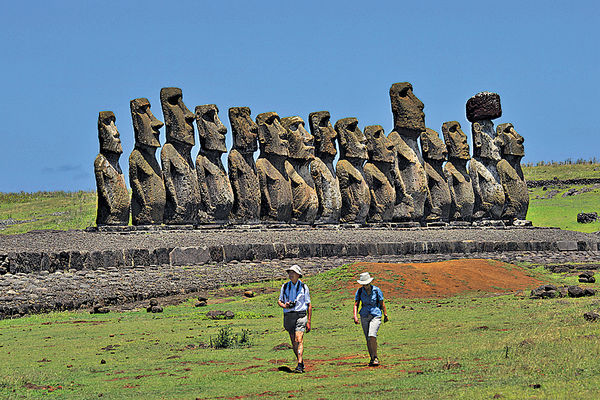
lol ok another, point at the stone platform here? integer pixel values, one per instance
(129, 247)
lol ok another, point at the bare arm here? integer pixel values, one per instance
(356, 311)
(309, 315)
(385, 316)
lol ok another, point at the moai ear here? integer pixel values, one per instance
(424, 145)
(476, 135)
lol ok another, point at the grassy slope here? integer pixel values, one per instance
(567, 171)
(503, 345)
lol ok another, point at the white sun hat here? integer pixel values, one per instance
(295, 268)
(364, 278)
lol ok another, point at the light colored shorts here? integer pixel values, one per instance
(370, 325)
(295, 321)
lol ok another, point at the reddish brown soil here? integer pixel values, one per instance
(443, 279)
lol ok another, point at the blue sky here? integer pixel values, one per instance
(65, 61)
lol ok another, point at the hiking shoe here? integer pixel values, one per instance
(375, 362)
(299, 369)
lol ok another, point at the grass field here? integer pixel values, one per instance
(471, 346)
(562, 171)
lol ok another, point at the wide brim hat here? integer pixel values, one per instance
(295, 268)
(364, 278)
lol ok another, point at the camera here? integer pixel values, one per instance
(292, 304)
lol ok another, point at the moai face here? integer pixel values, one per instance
(379, 147)
(271, 134)
(456, 140)
(511, 142)
(299, 140)
(432, 146)
(145, 125)
(108, 134)
(353, 143)
(484, 145)
(243, 129)
(323, 132)
(178, 118)
(210, 128)
(409, 117)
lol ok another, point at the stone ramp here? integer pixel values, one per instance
(78, 250)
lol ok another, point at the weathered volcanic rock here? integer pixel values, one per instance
(484, 105)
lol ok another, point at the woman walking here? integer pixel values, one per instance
(373, 306)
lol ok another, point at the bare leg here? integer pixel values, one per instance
(299, 346)
(294, 343)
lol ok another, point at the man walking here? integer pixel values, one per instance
(294, 298)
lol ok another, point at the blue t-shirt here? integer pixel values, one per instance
(298, 293)
(370, 304)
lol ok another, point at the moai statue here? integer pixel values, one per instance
(113, 197)
(323, 174)
(409, 122)
(435, 154)
(459, 180)
(301, 152)
(215, 189)
(242, 168)
(379, 174)
(148, 195)
(356, 198)
(511, 175)
(275, 186)
(489, 194)
(181, 181)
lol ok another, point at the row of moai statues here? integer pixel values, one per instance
(377, 178)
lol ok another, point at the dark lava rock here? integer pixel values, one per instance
(153, 302)
(591, 316)
(545, 292)
(201, 303)
(575, 291)
(249, 293)
(202, 298)
(218, 314)
(589, 292)
(484, 105)
(587, 277)
(156, 309)
(586, 218)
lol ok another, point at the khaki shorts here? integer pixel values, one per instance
(295, 321)
(370, 325)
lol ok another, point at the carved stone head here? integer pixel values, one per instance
(323, 132)
(243, 129)
(484, 105)
(110, 140)
(456, 141)
(379, 147)
(145, 125)
(179, 120)
(407, 109)
(299, 140)
(432, 147)
(271, 134)
(353, 143)
(511, 143)
(484, 146)
(210, 128)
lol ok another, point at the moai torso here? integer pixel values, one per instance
(275, 186)
(181, 182)
(455, 170)
(113, 197)
(215, 189)
(301, 152)
(487, 188)
(409, 122)
(378, 174)
(356, 198)
(243, 175)
(327, 185)
(435, 154)
(511, 175)
(148, 195)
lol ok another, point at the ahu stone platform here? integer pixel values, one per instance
(130, 247)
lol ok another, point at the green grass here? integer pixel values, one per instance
(467, 346)
(564, 171)
(561, 211)
(50, 210)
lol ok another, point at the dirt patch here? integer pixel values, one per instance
(443, 279)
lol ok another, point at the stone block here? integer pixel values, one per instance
(162, 256)
(217, 254)
(567, 245)
(190, 255)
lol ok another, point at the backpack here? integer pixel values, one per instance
(288, 285)
(360, 289)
